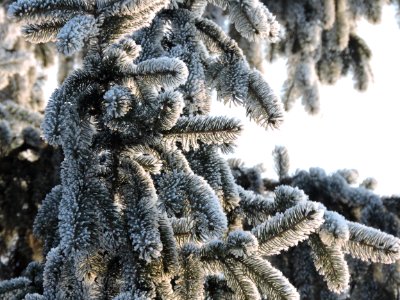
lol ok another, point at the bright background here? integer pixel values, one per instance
(353, 130)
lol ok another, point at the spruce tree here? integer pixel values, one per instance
(147, 208)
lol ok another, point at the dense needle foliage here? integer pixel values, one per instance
(146, 206)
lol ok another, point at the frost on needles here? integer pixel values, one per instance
(321, 44)
(147, 208)
(332, 249)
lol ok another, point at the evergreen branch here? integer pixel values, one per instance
(243, 286)
(261, 103)
(163, 71)
(183, 228)
(172, 191)
(229, 72)
(230, 76)
(43, 32)
(76, 134)
(369, 183)
(196, 88)
(207, 163)
(164, 289)
(127, 16)
(330, 263)
(329, 14)
(359, 55)
(13, 286)
(350, 175)
(256, 208)
(221, 3)
(117, 102)
(51, 123)
(190, 197)
(370, 244)
(139, 198)
(120, 26)
(146, 157)
(169, 252)
(240, 244)
(210, 221)
(77, 85)
(171, 108)
(73, 213)
(191, 275)
(288, 229)
(58, 15)
(75, 32)
(52, 271)
(208, 130)
(215, 38)
(141, 9)
(219, 256)
(174, 159)
(231, 197)
(46, 221)
(270, 281)
(79, 219)
(334, 231)
(109, 218)
(287, 196)
(126, 45)
(281, 160)
(253, 20)
(246, 274)
(37, 9)
(342, 24)
(149, 164)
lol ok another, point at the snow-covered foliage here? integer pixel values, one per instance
(319, 41)
(337, 236)
(147, 208)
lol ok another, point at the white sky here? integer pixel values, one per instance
(353, 130)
